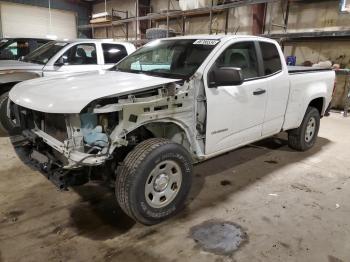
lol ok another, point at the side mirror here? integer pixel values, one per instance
(61, 61)
(225, 76)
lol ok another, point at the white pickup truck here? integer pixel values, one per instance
(58, 57)
(171, 103)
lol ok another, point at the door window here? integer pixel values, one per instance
(82, 54)
(113, 53)
(271, 58)
(241, 55)
(14, 49)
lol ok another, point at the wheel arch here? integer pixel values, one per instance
(318, 103)
(170, 129)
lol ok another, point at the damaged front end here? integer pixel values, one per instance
(62, 144)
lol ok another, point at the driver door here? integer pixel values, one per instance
(235, 114)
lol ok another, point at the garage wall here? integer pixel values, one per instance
(240, 19)
(82, 9)
(118, 31)
(309, 17)
(15, 23)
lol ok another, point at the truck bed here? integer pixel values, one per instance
(305, 69)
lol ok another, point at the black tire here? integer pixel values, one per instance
(6, 126)
(156, 33)
(297, 137)
(134, 172)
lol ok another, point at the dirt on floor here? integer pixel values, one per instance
(283, 205)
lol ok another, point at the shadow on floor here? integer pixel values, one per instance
(2, 134)
(231, 181)
(98, 216)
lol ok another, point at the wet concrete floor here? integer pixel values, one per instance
(283, 205)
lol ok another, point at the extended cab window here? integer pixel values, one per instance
(113, 53)
(241, 55)
(271, 58)
(81, 54)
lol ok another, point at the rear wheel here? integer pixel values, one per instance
(305, 136)
(154, 180)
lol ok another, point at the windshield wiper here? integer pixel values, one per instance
(32, 61)
(162, 74)
(153, 73)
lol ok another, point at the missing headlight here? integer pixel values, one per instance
(97, 127)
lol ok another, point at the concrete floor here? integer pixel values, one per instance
(293, 207)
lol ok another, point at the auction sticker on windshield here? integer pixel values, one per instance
(205, 42)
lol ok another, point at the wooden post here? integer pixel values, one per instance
(270, 20)
(167, 19)
(347, 93)
(127, 26)
(226, 20)
(258, 18)
(211, 17)
(137, 18)
(183, 25)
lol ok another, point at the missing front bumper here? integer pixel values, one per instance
(74, 158)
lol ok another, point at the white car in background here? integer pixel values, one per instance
(58, 57)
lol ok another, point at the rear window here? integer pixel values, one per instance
(271, 58)
(113, 53)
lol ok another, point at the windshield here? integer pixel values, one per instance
(44, 53)
(178, 58)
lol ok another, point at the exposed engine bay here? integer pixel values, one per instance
(108, 128)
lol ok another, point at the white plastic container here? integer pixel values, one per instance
(193, 4)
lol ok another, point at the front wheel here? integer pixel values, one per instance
(305, 136)
(154, 180)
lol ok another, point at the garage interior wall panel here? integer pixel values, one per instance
(118, 31)
(309, 17)
(18, 20)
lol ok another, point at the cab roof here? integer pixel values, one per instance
(223, 38)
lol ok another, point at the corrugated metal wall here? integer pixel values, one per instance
(83, 10)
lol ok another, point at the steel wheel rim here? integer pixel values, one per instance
(163, 184)
(310, 129)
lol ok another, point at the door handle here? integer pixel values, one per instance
(259, 91)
